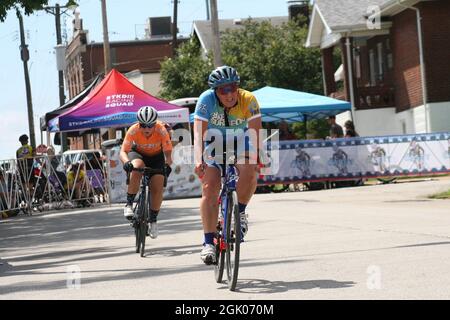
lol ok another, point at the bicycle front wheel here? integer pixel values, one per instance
(143, 220)
(233, 233)
(220, 254)
(137, 233)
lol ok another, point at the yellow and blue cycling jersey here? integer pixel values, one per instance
(24, 152)
(209, 109)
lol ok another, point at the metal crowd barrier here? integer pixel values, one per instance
(52, 182)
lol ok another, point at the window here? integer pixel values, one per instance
(357, 63)
(390, 58)
(373, 72)
(380, 61)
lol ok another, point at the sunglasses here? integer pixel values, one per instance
(227, 89)
(143, 125)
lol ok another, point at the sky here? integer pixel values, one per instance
(126, 21)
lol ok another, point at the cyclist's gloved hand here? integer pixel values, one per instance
(168, 170)
(128, 166)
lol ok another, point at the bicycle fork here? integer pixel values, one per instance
(222, 224)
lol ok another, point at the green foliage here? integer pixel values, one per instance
(29, 6)
(186, 74)
(264, 55)
(316, 129)
(442, 195)
(267, 55)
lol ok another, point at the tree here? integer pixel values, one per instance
(267, 55)
(29, 6)
(262, 53)
(185, 75)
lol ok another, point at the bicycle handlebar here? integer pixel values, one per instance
(148, 171)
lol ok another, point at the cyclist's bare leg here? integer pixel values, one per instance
(156, 191)
(246, 185)
(209, 207)
(135, 177)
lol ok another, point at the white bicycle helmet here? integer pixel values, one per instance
(147, 115)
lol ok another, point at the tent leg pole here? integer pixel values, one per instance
(306, 128)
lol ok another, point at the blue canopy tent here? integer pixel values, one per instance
(293, 106)
(278, 104)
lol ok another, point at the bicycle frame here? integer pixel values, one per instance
(141, 210)
(145, 181)
(229, 180)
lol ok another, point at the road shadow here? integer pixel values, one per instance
(260, 286)
(89, 224)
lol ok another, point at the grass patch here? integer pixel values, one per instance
(442, 195)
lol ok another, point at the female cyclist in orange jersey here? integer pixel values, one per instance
(146, 144)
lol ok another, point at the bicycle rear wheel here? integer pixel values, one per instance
(233, 232)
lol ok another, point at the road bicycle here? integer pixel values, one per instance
(140, 220)
(228, 236)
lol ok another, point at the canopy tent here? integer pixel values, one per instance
(113, 103)
(70, 104)
(278, 104)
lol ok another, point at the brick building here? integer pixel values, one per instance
(85, 60)
(400, 82)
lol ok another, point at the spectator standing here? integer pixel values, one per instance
(335, 129)
(350, 129)
(285, 133)
(24, 157)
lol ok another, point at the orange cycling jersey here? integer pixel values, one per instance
(147, 146)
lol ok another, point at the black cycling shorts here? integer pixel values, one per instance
(155, 162)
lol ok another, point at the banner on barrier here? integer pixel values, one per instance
(355, 158)
(313, 160)
(181, 183)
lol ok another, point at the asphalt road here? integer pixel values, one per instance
(371, 242)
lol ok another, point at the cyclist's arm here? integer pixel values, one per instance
(166, 145)
(126, 147)
(200, 128)
(255, 124)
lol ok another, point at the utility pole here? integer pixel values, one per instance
(106, 56)
(62, 97)
(56, 11)
(207, 10)
(216, 35)
(174, 28)
(106, 51)
(25, 56)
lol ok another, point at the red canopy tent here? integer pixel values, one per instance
(113, 103)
